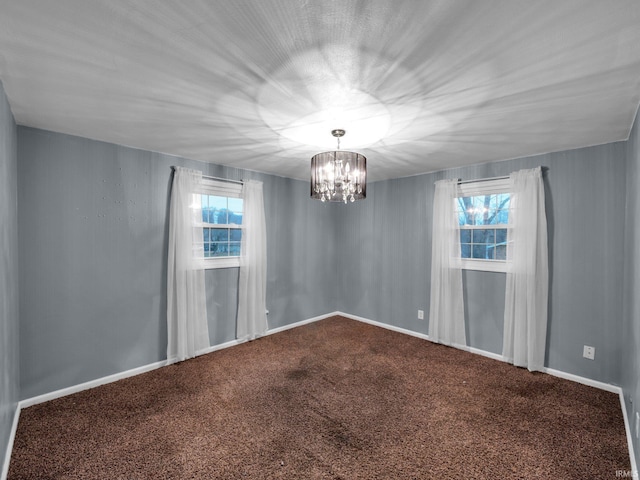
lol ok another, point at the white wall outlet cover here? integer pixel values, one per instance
(420, 314)
(589, 352)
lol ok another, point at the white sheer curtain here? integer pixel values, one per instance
(252, 288)
(525, 311)
(186, 301)
(446, 311)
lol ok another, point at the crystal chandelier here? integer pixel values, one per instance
(338, 176)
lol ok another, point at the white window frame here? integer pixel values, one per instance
(221, 189)
(476, 188)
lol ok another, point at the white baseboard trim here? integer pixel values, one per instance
(423, 336)
(303, 322)
(28, 402)
(585, 381)
(12, 437)
(627, 428)
(393, 328)
(485, 353)
(213, 348)
(233, 343)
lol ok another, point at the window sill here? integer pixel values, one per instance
(484, 265)
(224, 262)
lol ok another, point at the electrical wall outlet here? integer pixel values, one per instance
(589, 352)
(420, 314)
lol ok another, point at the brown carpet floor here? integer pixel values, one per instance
(332, 399)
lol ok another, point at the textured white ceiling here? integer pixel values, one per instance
(418, 85)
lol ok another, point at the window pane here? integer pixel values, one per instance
(235, 210)
(503, 200)
(234, 249)
(483, 251)
(235, 235)
(484, 235)
(219, 235)
(205, 234)
(470, 211)
(219, 249)
(501, 235)
(466, 250)
(465, 211)
(481, 207)
(466, 217)
(465, 236)
(205, 208)
(502, 216)
(492, 218)
(235, 218)
(462, 216)
(501, 252)
(218, 209)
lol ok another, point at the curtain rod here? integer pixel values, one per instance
(217, 178)
(460, 182)
(223, 179)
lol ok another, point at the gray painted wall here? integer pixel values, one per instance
(9, 373)
(630, 335)
(384, 248)
(93, 231)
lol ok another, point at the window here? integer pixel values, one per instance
(222, 211)
(483, 215)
